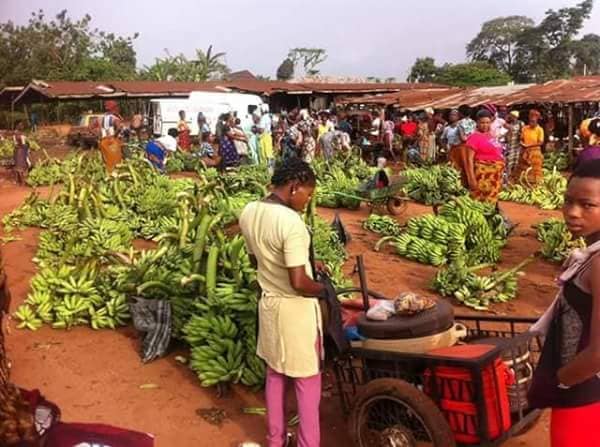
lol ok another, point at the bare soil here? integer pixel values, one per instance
(95, 376)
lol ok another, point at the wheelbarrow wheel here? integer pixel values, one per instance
(393, 413)
(396, 206)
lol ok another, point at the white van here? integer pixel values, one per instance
(165, 112)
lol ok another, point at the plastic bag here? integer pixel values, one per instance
(152, 317)
(338, 226)
(383, 310)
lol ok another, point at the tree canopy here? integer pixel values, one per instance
(424, 70)
(480, 74)
(63, 49)
(205, 66)
(538, 53)
(497, 41)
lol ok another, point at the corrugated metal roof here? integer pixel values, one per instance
(37, 90)
(403, 95)
(403, 98)
(445, 98)
(578, 89)
(472, 97)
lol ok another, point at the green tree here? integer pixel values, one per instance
(311, 58)
(587, 55)
(423, 70)
(497, 41)
(285, 72)
(64, 49)
(472, 74)
(206, 66)
(210, 65)
(547, 50)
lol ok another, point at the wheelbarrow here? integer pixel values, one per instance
(392, 196)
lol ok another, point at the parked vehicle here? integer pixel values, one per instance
(165, 112)
(81, 134)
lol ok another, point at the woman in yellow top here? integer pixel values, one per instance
(183, 135)
(289, 318)
(532, 159)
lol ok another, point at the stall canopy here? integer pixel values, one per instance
(38, 91)
(562, 91)
(8, 94)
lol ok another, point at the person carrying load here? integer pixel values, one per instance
(110, 145)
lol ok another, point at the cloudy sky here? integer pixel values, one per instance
(362, 37)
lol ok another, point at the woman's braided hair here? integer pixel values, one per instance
(293, 169)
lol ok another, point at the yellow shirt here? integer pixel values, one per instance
(289, 324)
(532, 136)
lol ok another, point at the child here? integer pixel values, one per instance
(567, 379)
(21, 154)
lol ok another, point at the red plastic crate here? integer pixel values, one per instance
(457, 395)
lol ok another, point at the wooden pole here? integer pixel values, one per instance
(571, 134)
(12, 115)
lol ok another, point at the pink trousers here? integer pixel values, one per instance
(575, 427)
(308, 396)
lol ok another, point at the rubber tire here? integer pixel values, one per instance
(396, 206)
(429, 322)
(420, 403)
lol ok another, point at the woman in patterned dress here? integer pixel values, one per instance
(531, 163)
(183, 136)
(484, 161)
(229, 154)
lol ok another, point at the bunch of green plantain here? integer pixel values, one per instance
(432, 185)
(341, 174)
(557, 241)
(383, 225)
(68, 297)
(485, 229)
(462, 282)
(464, 228)
(558, 160)
(416, 249)
(548, 195)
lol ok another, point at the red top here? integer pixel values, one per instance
(409, 128)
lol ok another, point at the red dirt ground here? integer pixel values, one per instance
(96, 376)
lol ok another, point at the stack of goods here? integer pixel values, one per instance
(558, 160)
(383, 225)
(548, 195)
(477, 291)
(339, 180)
(433, 185)
(409, 323)
(464, 228)
(557, 241)
(88, 267)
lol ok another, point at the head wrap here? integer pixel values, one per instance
(111, 106)
(429, 111)
(490, 108)
(515, 113)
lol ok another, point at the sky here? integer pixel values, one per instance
(362, 37)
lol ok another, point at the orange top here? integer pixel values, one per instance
(532, 136)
